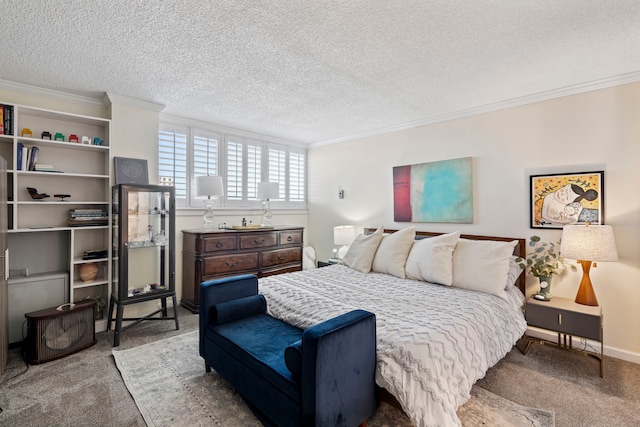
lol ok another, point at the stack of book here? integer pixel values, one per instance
(46, 168)
(6, 119)
(27, 157)
(87, 217)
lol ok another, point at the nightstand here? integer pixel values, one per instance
(568, 319)
(330, 261)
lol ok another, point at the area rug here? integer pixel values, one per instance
(169, 384)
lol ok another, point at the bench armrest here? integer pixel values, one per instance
(338, 370)
(222, 290)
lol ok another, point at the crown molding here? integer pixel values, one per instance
(500, 105)
(51, 93)
(111, 98)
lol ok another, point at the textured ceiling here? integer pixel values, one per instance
(318, 71)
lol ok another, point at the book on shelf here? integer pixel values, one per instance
(19, 156)
(33, 158)
(87, 217)
(25, 155)
(46, 168)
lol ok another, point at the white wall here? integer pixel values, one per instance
(591, 131)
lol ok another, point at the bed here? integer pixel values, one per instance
(435, 339)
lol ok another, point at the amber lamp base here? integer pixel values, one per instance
(586, 295)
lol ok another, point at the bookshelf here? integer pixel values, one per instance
(42, 239)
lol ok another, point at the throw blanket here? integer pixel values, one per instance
(434, 341)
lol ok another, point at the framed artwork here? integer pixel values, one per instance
(434, 192)
(567, 198)
(131, 171)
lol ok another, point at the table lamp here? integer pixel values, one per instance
(266, 191)
(209, 186)
(587, 244)
(342, 236)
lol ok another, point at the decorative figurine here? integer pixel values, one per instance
(58, 137)
(62, 196)
(35, 195)
(73, 138)
(86, 140)
(45, 135)
(27, 132)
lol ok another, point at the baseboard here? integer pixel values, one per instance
(608, 350)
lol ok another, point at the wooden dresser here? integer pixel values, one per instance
(210, 254)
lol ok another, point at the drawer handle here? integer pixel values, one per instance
(258, 243)
(282, 257)
(289, 239)
(219, 245)
(559, 318)
(231, 265)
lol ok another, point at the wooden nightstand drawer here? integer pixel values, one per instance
(563, 315)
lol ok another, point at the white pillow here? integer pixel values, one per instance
(362, 250)
(482, 265)
(431, 259)
(392, 253)
(514, 271)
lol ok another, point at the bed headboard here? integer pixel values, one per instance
(519, 250)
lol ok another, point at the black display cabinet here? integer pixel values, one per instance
(143, 253)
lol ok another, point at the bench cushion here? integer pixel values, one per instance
(259, 343)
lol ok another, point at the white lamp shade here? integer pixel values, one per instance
(588, 243)
(209, 186)
(268, 190)
(343, 234)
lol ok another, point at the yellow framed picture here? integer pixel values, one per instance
(567, 198)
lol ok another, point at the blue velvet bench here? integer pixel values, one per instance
(321, 376)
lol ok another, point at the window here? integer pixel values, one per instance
(188, 152)
(172, 158)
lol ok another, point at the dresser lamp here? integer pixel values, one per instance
(209, 186)
(342, 236)
(267, 191)
(587, 244)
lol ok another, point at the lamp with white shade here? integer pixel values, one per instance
(267, 191)
(209, 186)
(342, 236)
(587, 244)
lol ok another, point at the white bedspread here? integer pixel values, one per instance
(434, 341)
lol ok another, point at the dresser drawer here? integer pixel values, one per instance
(216, 265)
(218, 244)
(565, 321)
(293, 237)
(281, 256)
(261, 240)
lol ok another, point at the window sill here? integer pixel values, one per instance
(187, 211)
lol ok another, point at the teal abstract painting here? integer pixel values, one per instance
(434, 192)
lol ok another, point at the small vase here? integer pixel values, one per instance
(545, 287)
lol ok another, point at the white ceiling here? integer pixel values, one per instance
(320, 71)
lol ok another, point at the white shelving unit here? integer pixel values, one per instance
(40, 238)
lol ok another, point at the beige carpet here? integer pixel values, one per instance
(170, 387)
